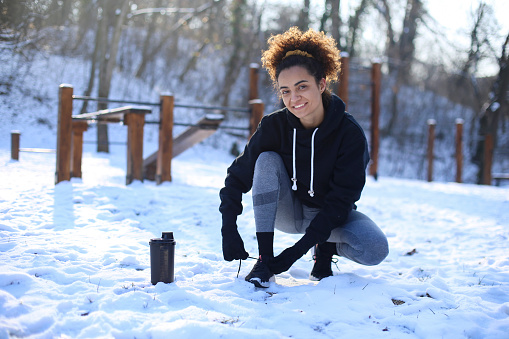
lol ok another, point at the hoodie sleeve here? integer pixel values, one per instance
(346, 183)
(239, 177)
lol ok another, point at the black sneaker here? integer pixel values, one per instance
(260, 275)
(323, 260)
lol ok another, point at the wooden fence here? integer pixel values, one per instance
(376, 85)
(488, 176)
(158, 165)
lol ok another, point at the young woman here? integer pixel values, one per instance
(306, 166)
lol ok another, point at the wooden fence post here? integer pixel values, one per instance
(165, 151)
(15, 145)
(376, 79)
(256, 107)
(344, 78)
(64, 130)
(253, 81)
(459, 150)
(488, 159)
(135, 123)
(78, 127)
(431, 142)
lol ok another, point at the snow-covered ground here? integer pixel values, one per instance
(75, 261)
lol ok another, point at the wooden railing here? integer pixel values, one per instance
(158, 165)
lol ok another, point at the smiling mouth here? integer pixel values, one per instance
(299, 106)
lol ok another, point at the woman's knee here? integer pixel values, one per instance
(367, 251)
(268, 157)
(363, 235)
(376, 246)
(376, 252)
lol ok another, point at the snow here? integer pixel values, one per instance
(75, 259)
(75, 262)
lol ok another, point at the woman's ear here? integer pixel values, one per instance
(322, 85)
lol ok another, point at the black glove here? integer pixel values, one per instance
(233, 246)
(288, 257)
(318, 232)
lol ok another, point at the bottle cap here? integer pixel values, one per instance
(167, 236)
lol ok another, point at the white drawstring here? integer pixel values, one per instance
(311, 191)
(294, 176)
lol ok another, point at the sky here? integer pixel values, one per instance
(455, 16)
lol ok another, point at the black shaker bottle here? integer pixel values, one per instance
(162, 258)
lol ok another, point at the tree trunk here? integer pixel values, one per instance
(93, 67)
(406, 50)
(88, 18)
(354, 24)
(148, 40)
(407, 38)
(150, 54)
(53, 18)
(336, 21)
(303, 21)
(326, 15)
(191, 64)
(497, 110)
(391, 46)
(236, 58)
(108, 64)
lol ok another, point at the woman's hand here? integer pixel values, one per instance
(288, 257)
(233, 246)
(285, 260)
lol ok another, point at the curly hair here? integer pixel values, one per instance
(311, 49)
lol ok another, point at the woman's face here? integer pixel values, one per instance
(302, 95)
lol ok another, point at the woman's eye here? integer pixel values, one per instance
(302, 86)
(285, 92)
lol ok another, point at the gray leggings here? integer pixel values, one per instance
(276, 206)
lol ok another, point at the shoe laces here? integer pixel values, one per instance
(333, 260)
(240, 264)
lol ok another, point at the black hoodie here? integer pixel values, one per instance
(339, 167)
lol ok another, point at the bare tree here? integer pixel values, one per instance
(408, 36)
(116, 11)
(148, 39)
(94, 60)
(495, 111)
(59, 12)
(482, 32)
(237, 56)
(18, 19)
(336, 21)
(354, 25)
(403, 51)
(87, 19)
(401, 54)
(331, 19)
(303, 21)
(151, 50)
(326, 15)
(209, 35)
